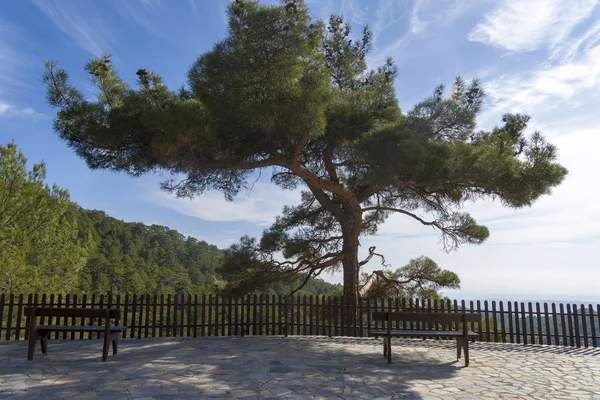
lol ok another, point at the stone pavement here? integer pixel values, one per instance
(296, 368)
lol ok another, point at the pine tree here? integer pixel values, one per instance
(292, 95)
(40, 250)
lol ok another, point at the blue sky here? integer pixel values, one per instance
(540, 57)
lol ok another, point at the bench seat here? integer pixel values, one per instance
(394, 332)
(65, 328)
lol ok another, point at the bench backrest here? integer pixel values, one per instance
(71, 312)
(425, 317)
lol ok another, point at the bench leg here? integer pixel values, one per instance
(458, 347)
(389, 350)
(384, 347)
(44, 344)
(115, 343)
(466, 351)
(105, 348)
(31, 345)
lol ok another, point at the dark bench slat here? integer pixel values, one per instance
(383, 332)
(425, 316)
(65, 328)
(71, 312)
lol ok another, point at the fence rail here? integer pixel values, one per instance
(212, 315)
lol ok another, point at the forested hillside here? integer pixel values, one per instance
(137, 258)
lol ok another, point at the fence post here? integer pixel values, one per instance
(539, 322)
(154, 314)
(502, 322)
(570, 325)
(161, 315)
(592, 324)
(1, 311)
(547, 323)
(203, 316)
(510, 322)
(19, 314)
(584, 326)
(576, 325)
(285, 315)
(555, 324)
(324, 315)
(147, 321)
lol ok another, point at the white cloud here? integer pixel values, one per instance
(416, 24)
(260, 206)
(11, 110)
(13, 60)
(81, 22)
(403, 24)
(13, 64)
(388, 14)
(518, 25)
(353, 11)
(145, 13)
(557, 87)
(583, 43)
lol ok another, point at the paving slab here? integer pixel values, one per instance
(296, 367)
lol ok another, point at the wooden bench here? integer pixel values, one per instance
(111, 332)
(462, 335)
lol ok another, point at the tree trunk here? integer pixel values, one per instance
(351, 296)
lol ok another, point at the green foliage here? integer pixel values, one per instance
(420, 278)
(294, 95)
(136, 258)
(40, 247)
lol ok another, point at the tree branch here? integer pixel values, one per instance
(299, 148)
(308, 276)
(269, 162)
(328, 160)
(398, 210)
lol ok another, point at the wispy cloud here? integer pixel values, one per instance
(402, 23)
(12, 110)
(321, 8)
(416, 24)
(14, 62)
(435, 14)
(353, 11)
(193, 7)
(12, 58)
(518, 25)
(81, 22)
(261, 206)
(145, 13)
(565, 86)
(387, 15)
(578, 44)
(559, 82)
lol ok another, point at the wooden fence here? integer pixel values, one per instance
(211, 315)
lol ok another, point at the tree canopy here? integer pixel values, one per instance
(39, 246)
(292, 95)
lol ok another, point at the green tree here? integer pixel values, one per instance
(421, 277)
(40, 250)
(292, 95)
